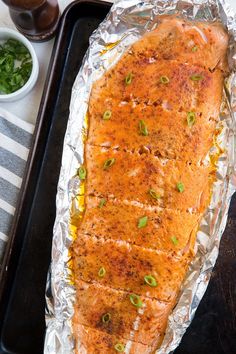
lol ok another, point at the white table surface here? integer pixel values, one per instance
(27, 107)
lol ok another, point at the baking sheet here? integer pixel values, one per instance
(127, 22)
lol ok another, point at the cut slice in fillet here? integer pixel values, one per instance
(187, 42)
(91, 341)
(166, 230)
(168, 132)
(188, 88)
(132, 175)
(126, 266)
(111, 311)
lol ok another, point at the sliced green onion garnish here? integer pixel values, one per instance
(135, 300)
(15, 65)
(154, 194)
(174, 240)
(119, 347)
(150, 280)
(196, 77)
(164, 80)
(142, 128)
(180, 187)
(108, 163)
(129, 78)
(106, 318)
(102, 203)
(194, 49)
(142, 222)
(191, 118)
(107, 115)
(102, 272)
(82, 173)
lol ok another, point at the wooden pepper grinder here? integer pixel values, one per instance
(35, 19)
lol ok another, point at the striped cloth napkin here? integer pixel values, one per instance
(15, 141)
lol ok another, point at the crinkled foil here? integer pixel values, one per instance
(127, 21)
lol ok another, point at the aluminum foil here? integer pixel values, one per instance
(127, 21)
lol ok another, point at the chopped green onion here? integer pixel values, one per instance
(142, 222)
(196, 77)
(107, 115)
(174, 240)
(102, 202)
(135, 300)
(154, 194)
(142, 128)
(164, 80)
(108, 163)
(106, 318)
(82, 173)
(191, 118)
(15, 66)
(129, 78)
(180, 187)
(195, 49)
(119, 347)
(150, 280)
(102, 272)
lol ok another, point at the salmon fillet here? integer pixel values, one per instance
(190, 86)
(132, 175)
(126, 266)
(177, 39)
(144, 326)
(152, 122)
(165, 229)
(168, 133)
(93, 341)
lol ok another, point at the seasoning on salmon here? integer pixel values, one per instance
(148, 181)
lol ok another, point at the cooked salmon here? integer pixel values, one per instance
(127, 321)
(165, 229)
(152, 122)
(126, 266)
(168, 136)
(170, 85)
(94, 341)
(132, 175)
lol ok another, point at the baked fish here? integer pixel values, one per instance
(152, 121)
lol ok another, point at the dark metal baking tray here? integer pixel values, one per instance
(23, 278)
(22, 303)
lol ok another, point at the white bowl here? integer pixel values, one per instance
(6, 33)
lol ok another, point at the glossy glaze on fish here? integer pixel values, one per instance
(152, 121)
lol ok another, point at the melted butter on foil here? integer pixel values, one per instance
(109, 46)
(77, 210)
(218, 149)
(85, 128)
(76, 217)
(78, 202)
